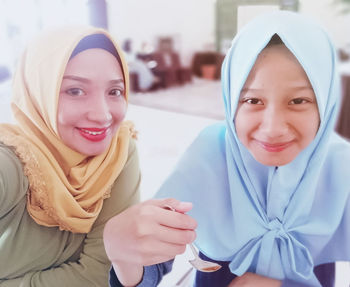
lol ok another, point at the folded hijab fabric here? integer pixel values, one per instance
(274, 221)
(66, 188)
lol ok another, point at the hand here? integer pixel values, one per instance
(249, 279)
(147, 234)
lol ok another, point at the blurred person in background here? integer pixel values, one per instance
(146, 80)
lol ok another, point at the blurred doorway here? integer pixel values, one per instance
(231, 15)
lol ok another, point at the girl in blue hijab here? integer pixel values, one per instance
(270, 185)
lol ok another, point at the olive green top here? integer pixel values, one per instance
(35, 255)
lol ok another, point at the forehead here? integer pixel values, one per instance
(92, 58)
(277, 55)
(277, 49)
(277, 63)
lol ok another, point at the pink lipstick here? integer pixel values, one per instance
(276, 147)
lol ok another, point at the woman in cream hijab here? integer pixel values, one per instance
(69, 164)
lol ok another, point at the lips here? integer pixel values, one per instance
(274, 147)
(94, 134)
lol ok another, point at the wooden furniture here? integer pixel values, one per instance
(343, 124)
(170, 74)
(134, 82)
(207, 58)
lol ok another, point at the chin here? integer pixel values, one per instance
(93, 152)
(271, 161)
(90, 153)
(94, 149)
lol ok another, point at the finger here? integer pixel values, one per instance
(163, 202)
(155, 252)
(179, 206)
(176, 220)
(183, 206)
(154, 211)
(175, 236)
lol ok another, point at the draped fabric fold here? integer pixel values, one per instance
(274, 221)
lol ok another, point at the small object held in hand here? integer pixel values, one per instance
(197, 262)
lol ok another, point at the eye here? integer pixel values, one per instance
(75, 92)
(299, 101)
(116, 92)
(252, 101)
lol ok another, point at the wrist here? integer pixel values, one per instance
(128, 274)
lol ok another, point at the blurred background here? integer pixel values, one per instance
(174, 50)
(175, 39)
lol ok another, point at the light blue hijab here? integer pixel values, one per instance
(277, 222)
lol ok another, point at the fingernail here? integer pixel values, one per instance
(185, 205)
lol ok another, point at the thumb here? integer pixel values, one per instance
(174, 204)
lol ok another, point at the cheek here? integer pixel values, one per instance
(243, 125)
(312, 128)
(67, 115)
(119, 111)
(308, 123)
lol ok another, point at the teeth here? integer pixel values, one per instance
(92, 133)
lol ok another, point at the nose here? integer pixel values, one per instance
(274, 123)
(99, 111)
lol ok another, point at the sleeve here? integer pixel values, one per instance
(339, 246)
(91, 268)
(151, 277)
(325, 273)
(290, 283)
(13, 184)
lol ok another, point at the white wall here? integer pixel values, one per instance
(247, 12)
(329, 15)
(192, 22)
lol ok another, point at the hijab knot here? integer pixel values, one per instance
(294, 256)
(277, 227)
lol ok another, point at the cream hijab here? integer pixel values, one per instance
(66, 188)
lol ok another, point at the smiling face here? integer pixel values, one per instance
(92, 101)
(277, 115)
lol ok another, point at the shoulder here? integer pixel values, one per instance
(13, 183)
(132, 147)
(210, 141)
(132, 163)
(337, 158)
(127, 183)
(207, 150)
(125, 189)
(339, 149)
(11, 167)
(213, 132)
(126, 138)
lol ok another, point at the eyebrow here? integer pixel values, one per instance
(85, 80)
(294, 88)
